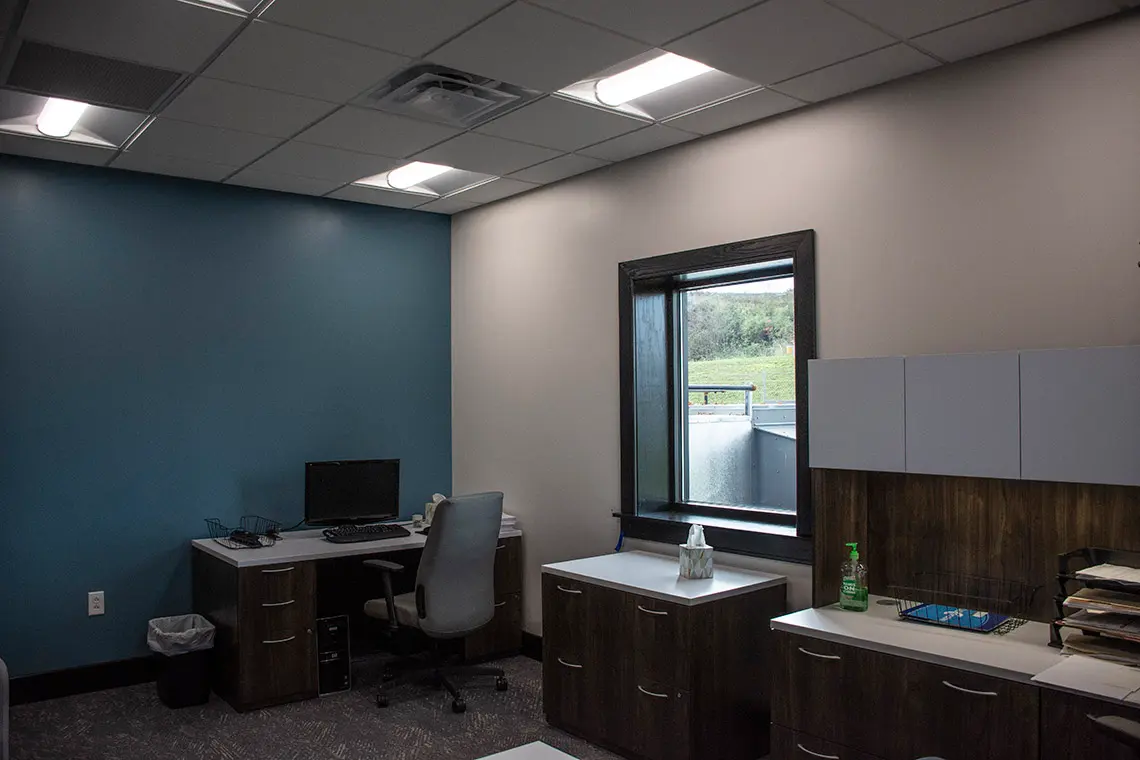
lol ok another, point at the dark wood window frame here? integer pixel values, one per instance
(650, 420)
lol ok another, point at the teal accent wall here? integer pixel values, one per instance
(173, 350)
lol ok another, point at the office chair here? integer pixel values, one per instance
(455, 590)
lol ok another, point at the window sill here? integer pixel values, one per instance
(753, 539)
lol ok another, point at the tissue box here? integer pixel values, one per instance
(696, 562)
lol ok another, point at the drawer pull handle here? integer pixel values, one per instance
(278, 604)
(569, 664)
(281, 570)
(652, 612)
(970, 691)
(279, 641)
(570, 590)
(820, 656)
(652, 693)
(500, 546)
(807, 751)
(500, 604)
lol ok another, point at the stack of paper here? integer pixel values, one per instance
(1126, 627)
(1100, 600)
(1103, 648)
(1116, 573)
(510, 522)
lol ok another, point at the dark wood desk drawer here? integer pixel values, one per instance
(660, 728)
(1067, 732)
(581, 620)
(660, 641)
(793, 745)
(276, 585)
(508, 566)
(502, 635)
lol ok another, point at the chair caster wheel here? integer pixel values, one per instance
(459, 706)
(381, 700)
(501, 683)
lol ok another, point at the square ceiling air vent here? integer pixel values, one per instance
(444, 95)
(62, 73)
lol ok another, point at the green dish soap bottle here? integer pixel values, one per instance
(853, 589)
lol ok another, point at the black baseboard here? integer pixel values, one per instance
(64, 683)
(532, 646)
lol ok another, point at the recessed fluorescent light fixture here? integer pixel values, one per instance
(422, 178)
(415, 173)
(657, 85)
(59, 117)
(243, 7)
(645, 78)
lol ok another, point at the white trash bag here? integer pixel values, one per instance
(179, 634)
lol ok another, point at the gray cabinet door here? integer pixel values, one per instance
(962, 415)
(855, 412)
(1080, 415)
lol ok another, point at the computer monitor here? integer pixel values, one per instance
(362, 490)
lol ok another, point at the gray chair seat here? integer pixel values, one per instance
(405, 609)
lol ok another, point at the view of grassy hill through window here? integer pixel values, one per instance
(736, 337)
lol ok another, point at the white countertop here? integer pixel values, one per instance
(302, 545)
(657, 576)
(1023, 655)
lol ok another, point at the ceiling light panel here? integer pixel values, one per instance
(425, 179)
(243, 7)
(76, 122)
(54, 150)
(657, 85)
(370, 195)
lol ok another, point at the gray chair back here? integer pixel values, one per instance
(455, 585)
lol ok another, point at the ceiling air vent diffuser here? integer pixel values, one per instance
(448, 96)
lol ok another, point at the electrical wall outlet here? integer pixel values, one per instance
(95, 603)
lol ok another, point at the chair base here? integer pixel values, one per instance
(440, 676)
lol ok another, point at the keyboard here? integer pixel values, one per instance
(351, 534)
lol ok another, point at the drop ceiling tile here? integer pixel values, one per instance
(651, 21)
(447, 206)
(535, 48)
(198, 142)
(732, 113)
(560, 124)
(166, 34)
(1012, 25)
(781, 39)
(637, 143)
(865, 71)
(410, 27)
(906, 18)
(286, 183)
(321, 162)
(249, 109)
(379, 197)
(54, 150)
(172, 166)
(494, 190)
(367, 131)
(291, 60)
(559, 168)
(488, 155)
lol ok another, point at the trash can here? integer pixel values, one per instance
(182, 645)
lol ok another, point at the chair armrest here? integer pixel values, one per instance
(383, 565)
(387, 568)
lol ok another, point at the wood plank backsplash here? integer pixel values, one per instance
(1009, 529)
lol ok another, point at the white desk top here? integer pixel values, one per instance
(1024, 655)
(302, 545)
(532, 751)
(657, 576)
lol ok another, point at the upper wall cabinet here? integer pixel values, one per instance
(962, 415)
(856, 414)
(1080, 415)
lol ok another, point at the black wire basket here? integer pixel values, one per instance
(253, 532)
(964, 602)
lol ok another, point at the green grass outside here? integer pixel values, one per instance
(773, 376)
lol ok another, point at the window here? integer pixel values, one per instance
(714, 351)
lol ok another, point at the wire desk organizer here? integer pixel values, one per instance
(253, 532)
(965, 602)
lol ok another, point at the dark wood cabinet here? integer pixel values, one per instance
(1067, 731)
(792, 745)
(654, 679)
(503, 635)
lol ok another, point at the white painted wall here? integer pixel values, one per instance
(991, 205)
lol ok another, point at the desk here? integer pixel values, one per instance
(265, 602)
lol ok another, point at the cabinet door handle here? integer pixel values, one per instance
(652, 612)
(807, 751)
(501, 604)
(569, 664)
(570, 590)
(280, 570)
(820, 656)
(970, 691)
(652, 693)
(278, 604)
(279, 641)
(500, 546)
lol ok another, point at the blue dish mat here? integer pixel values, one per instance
(955, 617)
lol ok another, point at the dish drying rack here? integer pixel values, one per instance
(253, 532)
(1069, 565)
(965, 602)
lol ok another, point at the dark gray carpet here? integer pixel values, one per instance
(131, 724)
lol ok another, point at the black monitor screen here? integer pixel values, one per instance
(364, 490)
